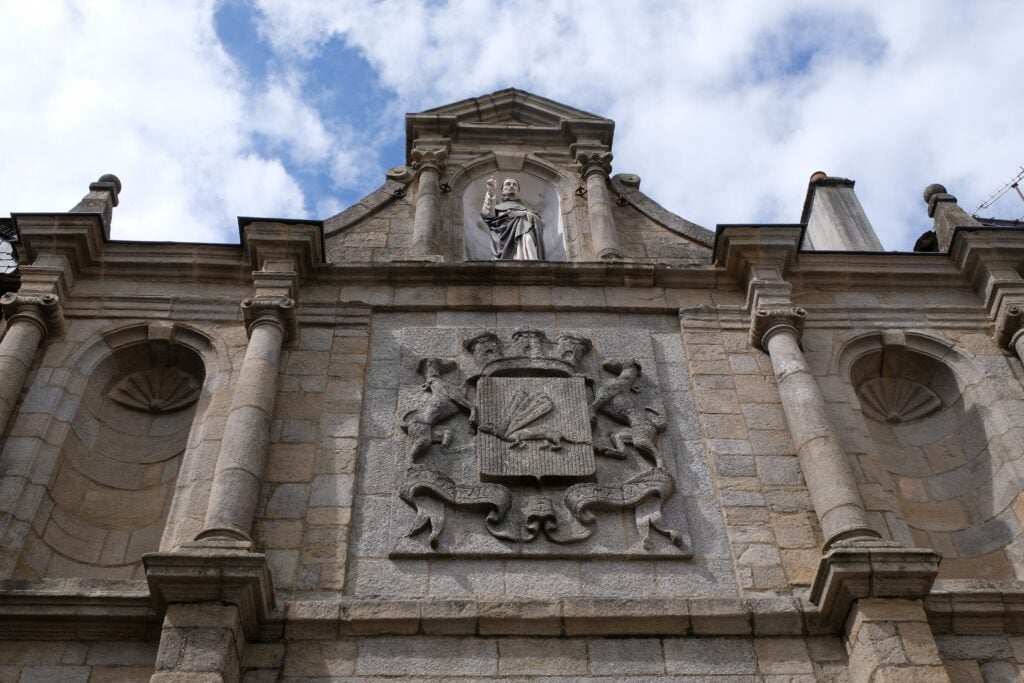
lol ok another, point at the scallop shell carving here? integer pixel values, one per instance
(157, 390)
(895, 399)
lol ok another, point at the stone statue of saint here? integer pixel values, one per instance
(516, 230)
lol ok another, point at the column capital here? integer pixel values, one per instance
(279, 311)
(42, 310)
(429, 157)
(590, 162)
(1009, 326)
(767, 321)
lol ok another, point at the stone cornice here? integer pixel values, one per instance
(297, 244)
(739, 247)
(89, 609)
(79, 237)
(77, 609)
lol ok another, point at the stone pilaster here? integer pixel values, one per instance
(890, 640)
(594, 168)
(236, 482)
(101, 198)
(824, 463)
(429, 164)
(948, 215)
(213, 602)
(30, 319)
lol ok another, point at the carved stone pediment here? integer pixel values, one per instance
(535, 453)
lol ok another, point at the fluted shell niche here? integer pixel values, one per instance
(108, 503)
(943, 477)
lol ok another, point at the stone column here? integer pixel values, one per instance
(823, 461)
(30, 318)
(429, 164)
(595, 168)
(243, 451)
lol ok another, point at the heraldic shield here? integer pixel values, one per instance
(534, 428)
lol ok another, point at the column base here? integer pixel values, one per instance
(870, 568)
(199, 573)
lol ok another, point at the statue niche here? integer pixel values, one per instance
(512, 217)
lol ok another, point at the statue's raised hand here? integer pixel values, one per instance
(492, 185)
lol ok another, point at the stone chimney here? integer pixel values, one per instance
(947, 213)
(834, 218)
(101, 199)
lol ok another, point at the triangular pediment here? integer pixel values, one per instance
(511, 106)
(492, 117)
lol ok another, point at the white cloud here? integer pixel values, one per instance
(143, 90)
(708, 111)
(723, 110)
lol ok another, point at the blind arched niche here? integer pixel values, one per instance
(108, 500)
(943, 453)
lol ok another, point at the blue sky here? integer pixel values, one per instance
(210, 109)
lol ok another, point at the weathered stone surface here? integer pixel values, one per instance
(373, 454)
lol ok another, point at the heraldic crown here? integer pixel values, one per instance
(530, 354)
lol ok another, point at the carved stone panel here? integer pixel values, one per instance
(531, 446)
(534, 428)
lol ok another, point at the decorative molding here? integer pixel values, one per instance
(279, 311)
(897, 399)
(1009, 326)
(194, 574)
(870, 568)
(423, 158)
(42, 310)
(590, 162)
(767, 321)
(529, 351)
(156, 390)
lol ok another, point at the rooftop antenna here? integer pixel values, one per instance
(1013, 184)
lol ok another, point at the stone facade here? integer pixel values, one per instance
(354, 450)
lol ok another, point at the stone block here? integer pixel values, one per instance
(624, 616)
(709, 656)
(427, 656)
(528, 617)
(542, 657)
(777, 656)
(625, 657)
(449, 617)
(55, 674)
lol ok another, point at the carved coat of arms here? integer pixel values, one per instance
(533, 419)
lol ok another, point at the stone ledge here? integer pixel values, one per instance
(77, 609)
(972, 607)
(870, 570)
(196, 574)
(87, 609)
(330, 619)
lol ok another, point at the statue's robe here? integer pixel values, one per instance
(515, 239)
